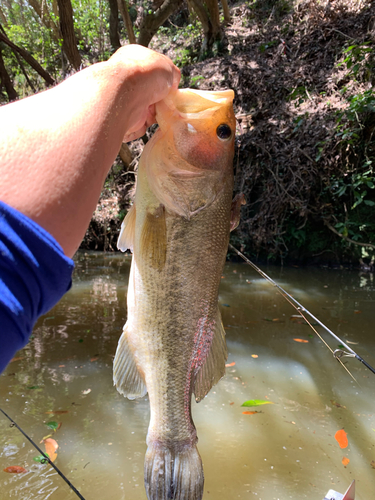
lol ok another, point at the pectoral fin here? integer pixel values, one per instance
(126, 376)
(153, 244)
(235, 211)
(127, 233)
(214, 367)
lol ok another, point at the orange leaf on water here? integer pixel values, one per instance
(230, 364)
(15, 469)
(303, 341)
(57, 412)
(345, 461)
(341, 438)
(51, 447)
(254, 355)
(250, 412)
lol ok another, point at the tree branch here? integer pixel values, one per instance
(28, 58)
(349, 240)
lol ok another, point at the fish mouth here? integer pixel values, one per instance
(191, 101)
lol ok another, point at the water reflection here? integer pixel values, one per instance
(285, 451)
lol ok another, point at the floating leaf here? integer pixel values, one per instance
(250, 412)
(93, 359)
(345, 461)
(297, 318)
(256, 402)
(51, 447)
(254, 356)
(86, 391)
(341, 438)
(56, 412)
(41, 459)
(372, 463)
(230, 364)
(302, 341)
(15, 469)
(52, 425)
(337, 404)
(33, 387)
(46, 437)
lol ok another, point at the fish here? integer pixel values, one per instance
(173, 342)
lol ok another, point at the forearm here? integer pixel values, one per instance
(56, 147)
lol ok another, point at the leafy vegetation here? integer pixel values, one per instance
(303, 73)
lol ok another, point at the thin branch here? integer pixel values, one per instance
(28, 58)
(349, 240)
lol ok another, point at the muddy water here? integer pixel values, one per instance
(285, 451)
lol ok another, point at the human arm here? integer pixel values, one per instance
(56, 147)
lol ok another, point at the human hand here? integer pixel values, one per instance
(149, 78)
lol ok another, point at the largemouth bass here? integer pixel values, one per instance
(173, 343)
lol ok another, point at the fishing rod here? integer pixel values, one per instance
(47, 459)
(338, 353)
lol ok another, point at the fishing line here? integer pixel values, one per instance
(45, 456)
(338, 353)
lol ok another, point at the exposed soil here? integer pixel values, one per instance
(283, 65)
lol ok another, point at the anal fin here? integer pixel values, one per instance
(213, 368)
(126, 376)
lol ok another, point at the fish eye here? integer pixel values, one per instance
(223, 131)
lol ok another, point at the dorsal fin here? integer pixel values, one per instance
(127, 233)
(153, 242)
(214, 367)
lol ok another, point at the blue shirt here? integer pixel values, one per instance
(34, 274)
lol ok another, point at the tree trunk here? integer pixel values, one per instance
(28, 58)
(151, 22)
(210, 19)
(67, 31)
(226, 12)
(213, 9)
(46, 18)
(126, 155)
(6, 81)
(123, 6)
(113, 25)
(3, 18)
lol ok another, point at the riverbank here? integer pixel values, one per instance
(303, 76)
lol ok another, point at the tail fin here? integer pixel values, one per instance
(173, 475)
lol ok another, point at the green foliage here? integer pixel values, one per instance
(357, 59)
(186, 57)
(267, 45)
(195, 81)
(353, 194)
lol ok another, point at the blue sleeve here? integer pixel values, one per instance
(34, 274)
